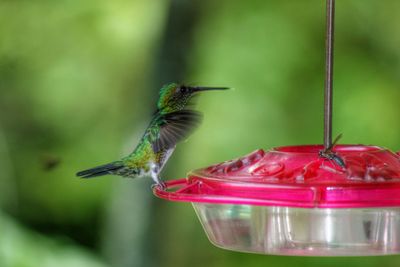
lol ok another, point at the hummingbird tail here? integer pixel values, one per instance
(109, 168)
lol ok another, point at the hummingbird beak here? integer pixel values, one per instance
(201, 88)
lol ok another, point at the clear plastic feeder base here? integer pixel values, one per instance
(300, 231)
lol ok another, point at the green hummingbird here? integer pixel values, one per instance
(173, 121)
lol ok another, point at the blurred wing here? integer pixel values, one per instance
(173, 128)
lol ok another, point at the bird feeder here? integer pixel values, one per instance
(292, 200)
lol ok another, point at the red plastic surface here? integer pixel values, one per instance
(296, 176)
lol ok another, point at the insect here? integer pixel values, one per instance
(327, 153)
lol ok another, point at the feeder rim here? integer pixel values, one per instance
(314, 197)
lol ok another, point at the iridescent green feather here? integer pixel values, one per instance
(141, 156)
(166, 95)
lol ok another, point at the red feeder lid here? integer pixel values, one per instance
(296, 176)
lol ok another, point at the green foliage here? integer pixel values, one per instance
(23, 248)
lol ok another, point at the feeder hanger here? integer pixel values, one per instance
(330, 20)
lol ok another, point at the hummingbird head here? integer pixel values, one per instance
(175, 97)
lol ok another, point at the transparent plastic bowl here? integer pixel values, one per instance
(291, 201)
(300, 231)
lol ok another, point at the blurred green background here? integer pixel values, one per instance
(78, 84)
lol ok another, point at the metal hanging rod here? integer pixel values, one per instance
(330, 21)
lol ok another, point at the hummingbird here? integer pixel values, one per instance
(172, 122)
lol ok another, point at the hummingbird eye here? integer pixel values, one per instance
(184, 89)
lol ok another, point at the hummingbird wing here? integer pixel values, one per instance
(173, 127)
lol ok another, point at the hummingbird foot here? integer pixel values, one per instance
(162, 185)
(159, 182)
